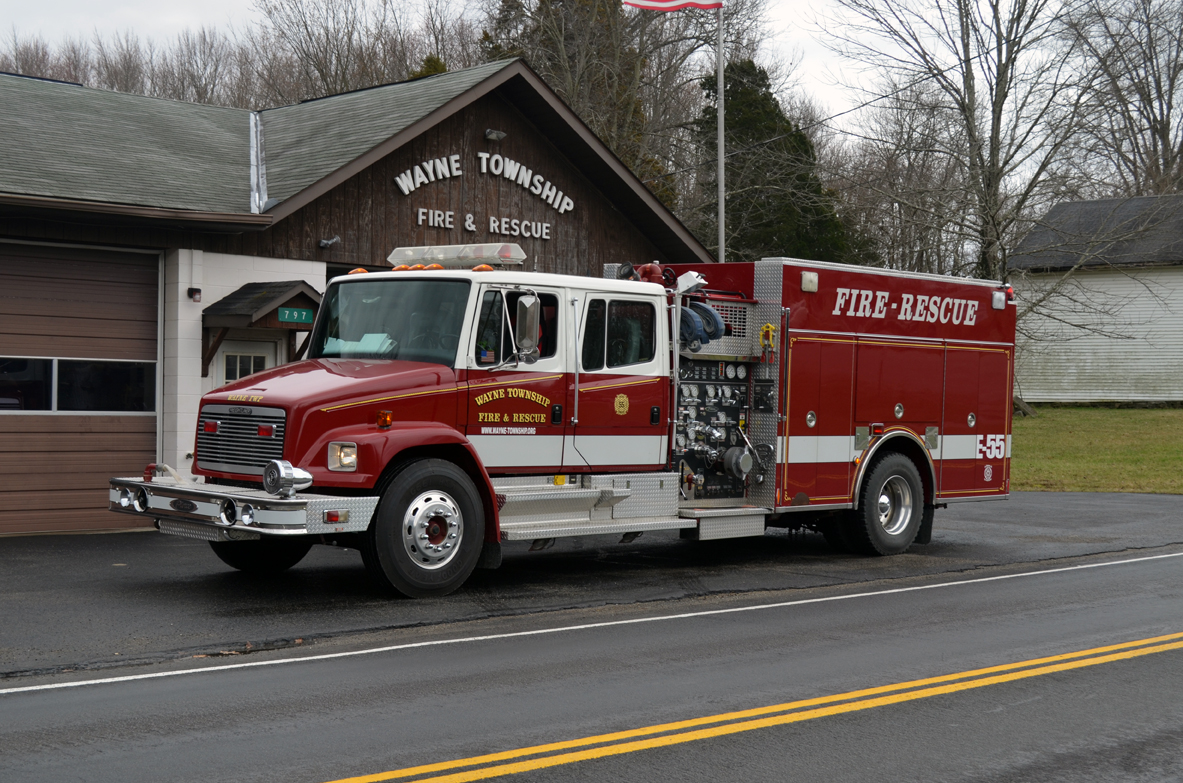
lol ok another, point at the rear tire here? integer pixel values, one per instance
(890, 509)
(428, 532)
(262, 556)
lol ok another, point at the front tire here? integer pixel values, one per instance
(890, 509)
(427, 534)
(262, 556)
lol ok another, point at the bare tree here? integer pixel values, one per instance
(1011, 92)
(122, 64)
(1133, 129)
(198, 67)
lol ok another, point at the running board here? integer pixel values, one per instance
(530, 531)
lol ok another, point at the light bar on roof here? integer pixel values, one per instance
(459, 256)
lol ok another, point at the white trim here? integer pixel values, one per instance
(817, 449)
(871, 270)
(159, 412)
(515, 451)
(620, 449)
(956, 447)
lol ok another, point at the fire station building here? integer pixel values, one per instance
(152, 250)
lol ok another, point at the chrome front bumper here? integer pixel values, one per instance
(215, 513)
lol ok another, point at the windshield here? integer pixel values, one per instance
(415, 320)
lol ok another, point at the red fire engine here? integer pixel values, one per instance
(443, 411)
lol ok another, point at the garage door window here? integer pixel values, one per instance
(77, 385)
(26, 384)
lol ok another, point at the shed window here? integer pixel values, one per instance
(240, 365)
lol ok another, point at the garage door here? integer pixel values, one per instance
(77, 383)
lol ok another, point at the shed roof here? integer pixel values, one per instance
(253, 301)
(1141, 231)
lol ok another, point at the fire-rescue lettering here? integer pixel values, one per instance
(857, 303)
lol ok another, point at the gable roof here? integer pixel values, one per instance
(253, 301)
(89, 150)
(1141, 231)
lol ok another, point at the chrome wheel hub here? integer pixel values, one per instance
(432, 529)
(895, 505)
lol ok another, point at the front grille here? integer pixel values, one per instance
(237, 446)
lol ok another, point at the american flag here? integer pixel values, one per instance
(488, 357)
(673, 5)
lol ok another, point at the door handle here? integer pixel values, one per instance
(655, 414)
(556, 414)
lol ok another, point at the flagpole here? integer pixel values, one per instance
(719, 146)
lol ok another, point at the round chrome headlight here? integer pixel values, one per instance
(247, 515)
(228, 513)
(125, 500)
(141, 502)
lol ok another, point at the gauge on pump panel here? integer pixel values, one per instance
(710, 391)
(731, 371)
(693, 412)
(685, 391)
(726, 392)
(694, 391)
(681, 441)
(741, 371)
(734, 437)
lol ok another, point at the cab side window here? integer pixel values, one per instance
(496, 324)
(492, 331)
(619, 333)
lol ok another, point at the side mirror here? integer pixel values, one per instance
(526, 331)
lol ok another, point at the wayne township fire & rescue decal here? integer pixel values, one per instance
(512, 417)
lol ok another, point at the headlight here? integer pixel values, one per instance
(343, 457)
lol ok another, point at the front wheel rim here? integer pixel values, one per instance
(432, 530)
(894, 506)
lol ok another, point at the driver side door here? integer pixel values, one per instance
(516, 417)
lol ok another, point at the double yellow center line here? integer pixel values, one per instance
(555, 754)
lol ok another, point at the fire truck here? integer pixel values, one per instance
(450, 405)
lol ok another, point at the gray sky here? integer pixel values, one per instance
(57, 19)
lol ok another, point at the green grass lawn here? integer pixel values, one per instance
(1098, 450)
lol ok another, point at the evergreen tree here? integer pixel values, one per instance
(776, 204)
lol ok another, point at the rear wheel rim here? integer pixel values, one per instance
(432, 530)
(894, 506)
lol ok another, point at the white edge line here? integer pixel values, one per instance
(567, 628)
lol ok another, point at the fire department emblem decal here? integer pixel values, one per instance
(988, 473)
(621, 404)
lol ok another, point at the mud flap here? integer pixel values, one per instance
(924, 534)
(490, 555)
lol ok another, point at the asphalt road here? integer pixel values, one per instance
(664, 645)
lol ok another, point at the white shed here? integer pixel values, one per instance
(1100, 286)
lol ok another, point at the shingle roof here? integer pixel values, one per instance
(61, 140)
(310, 140)
(65, 141)
(1147, 230)
(253, 301)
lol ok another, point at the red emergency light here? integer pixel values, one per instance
(209, 426)
(266, 430)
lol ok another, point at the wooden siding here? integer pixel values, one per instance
(1131, 350)
(54, 470)
(78, 303)
(372, 216)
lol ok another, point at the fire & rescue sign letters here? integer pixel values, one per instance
(857, 303)
(490, 164)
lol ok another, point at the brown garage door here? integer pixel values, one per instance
(77, 383)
